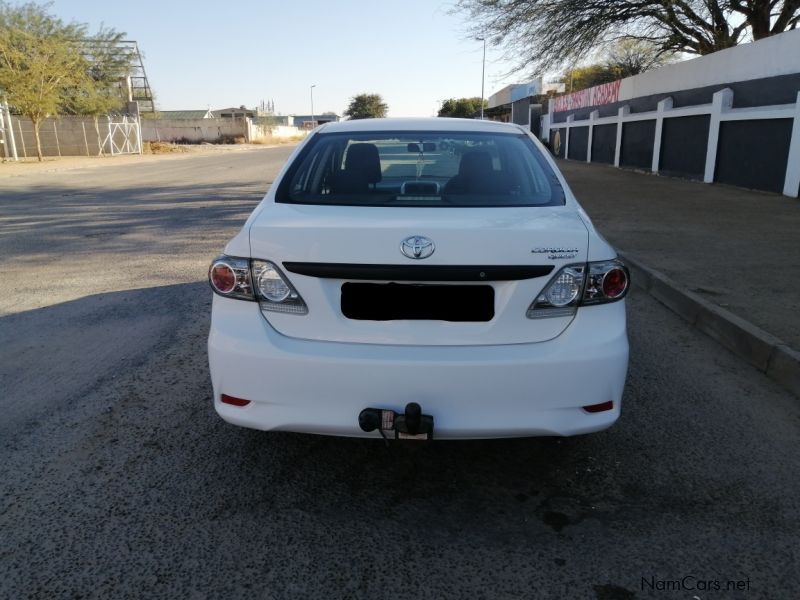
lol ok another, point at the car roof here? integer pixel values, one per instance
(416, 124)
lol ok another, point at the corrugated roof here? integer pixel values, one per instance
(185, 114)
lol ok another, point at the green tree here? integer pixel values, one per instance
(366, 106)
(623, 59)
(465, 108)
(629, 57)
(538, 34)
(580, 78)
(39, 59)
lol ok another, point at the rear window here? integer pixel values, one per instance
(421, 169)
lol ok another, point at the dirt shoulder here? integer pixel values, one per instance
(67, 163)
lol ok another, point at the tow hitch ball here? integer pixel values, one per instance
(410, 425)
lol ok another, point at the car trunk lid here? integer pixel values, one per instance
(486, 267)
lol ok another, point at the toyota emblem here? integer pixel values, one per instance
(417, 247)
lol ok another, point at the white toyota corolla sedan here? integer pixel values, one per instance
(418, 279)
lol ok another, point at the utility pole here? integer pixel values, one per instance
(312, 105)
(483, 70)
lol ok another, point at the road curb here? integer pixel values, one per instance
(769, 354)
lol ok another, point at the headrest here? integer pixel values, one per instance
(364, 159)
(475, 163)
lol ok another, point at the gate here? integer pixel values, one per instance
(7, 134)
(124, 137)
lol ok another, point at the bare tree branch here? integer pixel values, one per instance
(540, 34)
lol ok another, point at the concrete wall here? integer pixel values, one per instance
(213, 130)
(70, 136)
(268, 133)
(771, 57)
(192, 130)
(731, 117)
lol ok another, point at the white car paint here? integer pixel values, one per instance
(510, 376)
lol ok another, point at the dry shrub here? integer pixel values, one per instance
(162, 148)
(230, 139)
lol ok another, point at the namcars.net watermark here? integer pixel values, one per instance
(694, 584)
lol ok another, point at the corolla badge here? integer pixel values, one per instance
(557, 253)
(417, 247)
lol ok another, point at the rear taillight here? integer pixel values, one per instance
(615, 283)
(230, 277)
(261, 280)
(274, 290)
(581, 285)
(608, 281)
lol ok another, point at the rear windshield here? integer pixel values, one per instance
(421, 169)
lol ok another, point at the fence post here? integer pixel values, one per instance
(595, 114)
(545, 134)
(139, 134)
(22, 138)
(663, 106)
(85, 139)
(722, 100)
(570, 119)
(58, 146)
(791, 186)
(623, 112)
(110, 137)
(9, 127)
(3, 134)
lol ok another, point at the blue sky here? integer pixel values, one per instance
(203, 53)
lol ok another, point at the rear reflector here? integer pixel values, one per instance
(234, 401)
(596, 408)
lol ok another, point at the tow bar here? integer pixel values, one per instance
(410, 425)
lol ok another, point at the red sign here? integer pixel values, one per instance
(596, 96)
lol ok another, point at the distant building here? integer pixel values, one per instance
(236, 113)
(556, 87)
(520, 103)
(186, 114)
(304, 121)
(515, 91)
(273, 120)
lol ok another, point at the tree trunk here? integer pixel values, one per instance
(759, 20)
(36, 124)
(99, 141)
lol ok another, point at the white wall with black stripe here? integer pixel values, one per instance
(744, 101)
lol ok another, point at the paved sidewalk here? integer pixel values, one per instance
(720, 247)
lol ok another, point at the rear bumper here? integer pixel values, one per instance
(512, 390)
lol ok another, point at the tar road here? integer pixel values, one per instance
(118, 480)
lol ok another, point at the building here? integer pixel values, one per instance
(304, 121)
(521, 103)
(186, 114)
(236, 112)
